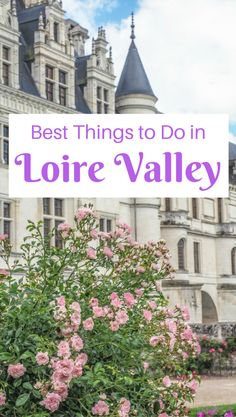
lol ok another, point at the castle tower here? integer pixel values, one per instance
(134, 93)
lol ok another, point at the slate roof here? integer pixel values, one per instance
(232, 151)
(134, 79)
(27, 83)
(80, 81)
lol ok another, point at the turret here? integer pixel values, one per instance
(134, 93)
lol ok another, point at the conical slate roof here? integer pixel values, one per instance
(134, 79)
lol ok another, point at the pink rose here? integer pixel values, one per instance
(61, 389)
(107, 252)
(64, 227)
(84, 212)
(185, 313)
(51, 402)
(76, 307)
(64, 349)
(61, 302)
(94, 233)
(145, 365)
(114, 326)
(16, 371)
(98, 312)
(166, 382)
(75, 319)
(93, 302)
(147, 315)
(101, 409)
(88, 324)
(115, 300)
(152, 305)
(139, 292)
(42, 358)
(77, 343)
(154, 340)
(124, 407)
(193, 385)
(129, 299)
(2, 399)
(3, 237)
(77, 371)
(81, 359)
(91, 253)
(121, 317)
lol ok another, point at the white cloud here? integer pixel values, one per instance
(85, 11)
(232, 138)
(188, 49)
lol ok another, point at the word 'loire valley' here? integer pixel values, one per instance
(170, 168)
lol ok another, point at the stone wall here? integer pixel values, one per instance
(216, 330)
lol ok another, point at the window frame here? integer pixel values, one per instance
(233, 261)
(105, 224)
(4, 143)
(5, 65)
(102, 98)
(195, 209)
(6, 219)
(53, 220)
(181, 254)
(196, 257)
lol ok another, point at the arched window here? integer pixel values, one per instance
(233, 261)
(181, 254)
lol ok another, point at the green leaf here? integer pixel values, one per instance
(37, 394)
(27, 386)
(27, 355)
(22, 400)
(5, 356)
(17, 383)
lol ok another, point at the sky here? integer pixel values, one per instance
(188, 48)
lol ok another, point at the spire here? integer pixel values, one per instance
(132, 36)
(133, 79)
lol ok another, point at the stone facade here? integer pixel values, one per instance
(44, 69)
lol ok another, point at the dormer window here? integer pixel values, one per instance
(56, 31)
(102, 100)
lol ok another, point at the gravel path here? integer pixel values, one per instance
(216, 391)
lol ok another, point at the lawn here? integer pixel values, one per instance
(221, 410)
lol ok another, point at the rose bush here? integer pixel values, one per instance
(213, 352)
(85, 329)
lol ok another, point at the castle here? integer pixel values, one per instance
(44, 69)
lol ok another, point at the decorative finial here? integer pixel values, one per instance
(132, 27)
(13, 7)
(41, 23)
(93, 47)
(110, 53)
